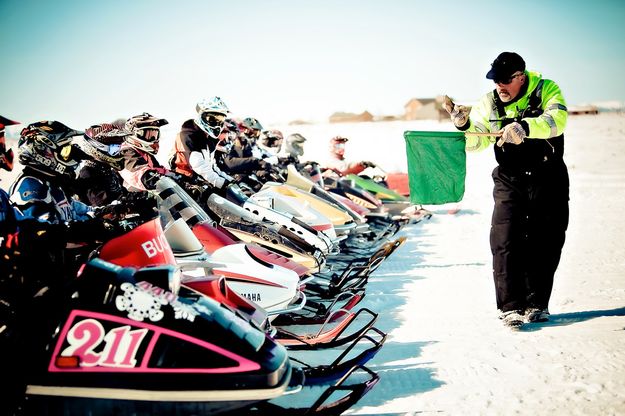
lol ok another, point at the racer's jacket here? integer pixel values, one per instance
(41, 198)
(194, 153)
(539, 107)
(240, 159)
(141, 169)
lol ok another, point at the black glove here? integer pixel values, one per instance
(264, 165)
(112, 211)
(368, 164)
(150, 178)
(197, 192)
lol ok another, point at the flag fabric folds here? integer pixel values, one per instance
(436, 166)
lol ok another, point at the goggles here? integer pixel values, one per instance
(273, 142)
(150, 135)
(255, 133)
(112, 149)
(507, 80)
(213, 119)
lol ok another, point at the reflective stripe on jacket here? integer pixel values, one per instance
(485, 117)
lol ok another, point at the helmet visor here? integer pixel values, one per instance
(213, 119)
(149, 135)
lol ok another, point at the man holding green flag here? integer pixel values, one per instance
(526, 116)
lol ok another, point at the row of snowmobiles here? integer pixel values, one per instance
(210, 304)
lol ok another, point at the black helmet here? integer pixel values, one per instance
(294, 144)
(47, 147)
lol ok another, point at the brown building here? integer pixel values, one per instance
(340, 117)
(425, 109)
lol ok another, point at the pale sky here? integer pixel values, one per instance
(84, 62)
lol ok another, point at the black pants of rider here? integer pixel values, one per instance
(528, 227)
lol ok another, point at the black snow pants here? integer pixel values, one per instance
(529, 222)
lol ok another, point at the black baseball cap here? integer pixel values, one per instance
(506, 64)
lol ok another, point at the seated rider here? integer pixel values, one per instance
(141, 167)
(338, 164)
(197, 142)
(98, 181)
(244, 157)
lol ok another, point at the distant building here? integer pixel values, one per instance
(425, 109)
(340, 117)
(299, 122)
(388, 118)
(582, 109)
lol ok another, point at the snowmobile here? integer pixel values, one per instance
(271, 242)
(292, 223)
(121, 340)
(307, 184)
(396, 203)
(299, 189)
(300, 244)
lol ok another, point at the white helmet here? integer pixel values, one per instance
(212, 113)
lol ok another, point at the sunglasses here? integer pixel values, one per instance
(507, 80)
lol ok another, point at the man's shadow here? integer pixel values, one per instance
(562, 319)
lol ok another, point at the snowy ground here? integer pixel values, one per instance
(447, 353)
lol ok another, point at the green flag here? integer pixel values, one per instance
(436, 166)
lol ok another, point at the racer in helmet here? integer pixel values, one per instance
(98, 181)
(337, 164)
(196, 143)
(292, 148)
(269, 144)
(49, 159)
(251, 128)
(141, 167)
(271, 141)
(244, 156)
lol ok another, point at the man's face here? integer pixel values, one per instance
(338, 149)
(509, 88)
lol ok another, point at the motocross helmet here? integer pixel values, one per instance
(6, 155)
(271, 140)
(103, 142)
(251, 128)
(144, 132)
(212, 113)
(294, 145)
(230, 130)
(46, 146)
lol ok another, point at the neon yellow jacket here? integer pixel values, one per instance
(484, 116)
